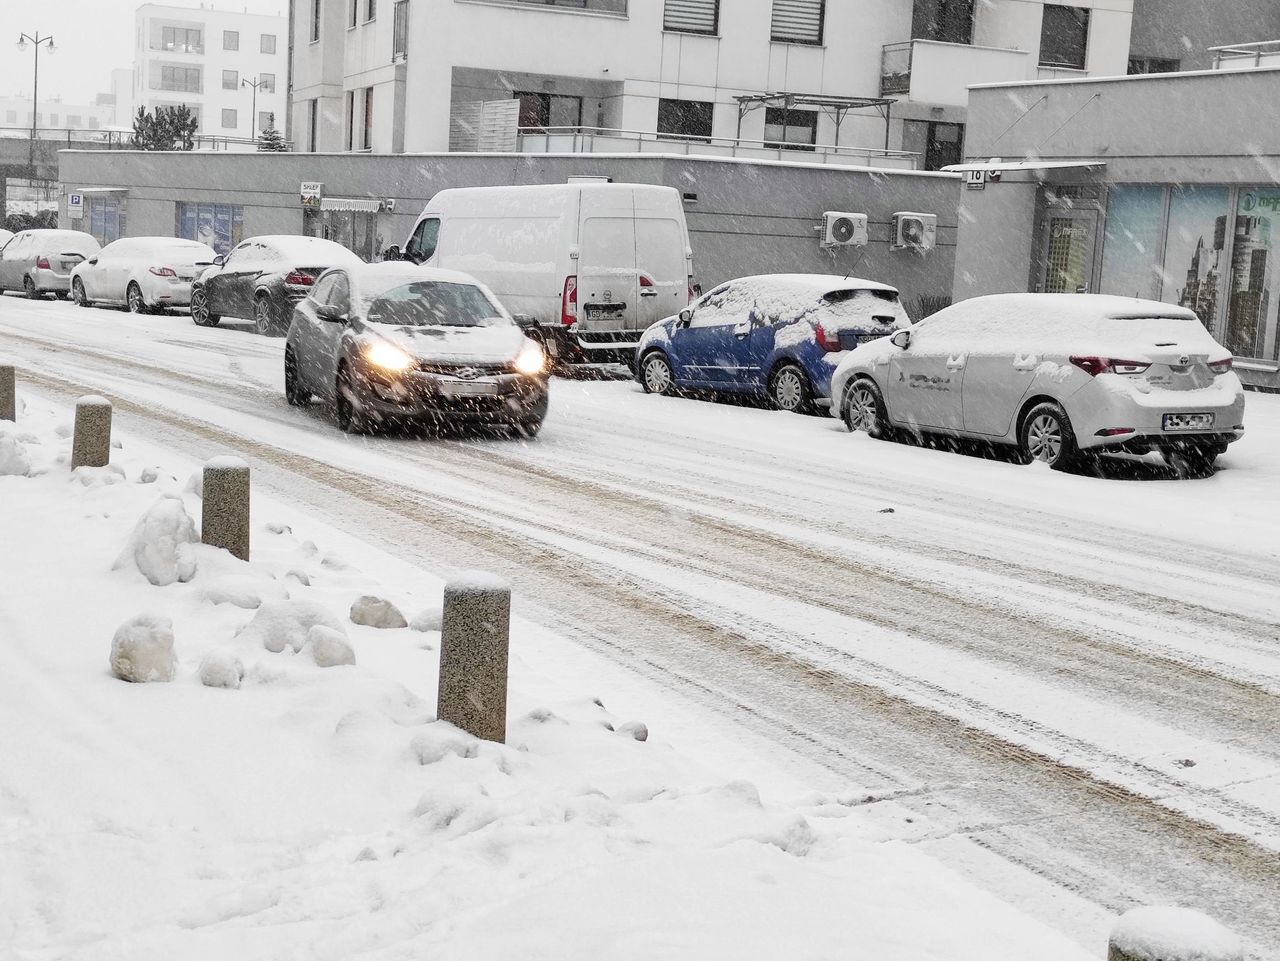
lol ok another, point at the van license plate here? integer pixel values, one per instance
(597, 311)
(450, 388)
(1188, 421)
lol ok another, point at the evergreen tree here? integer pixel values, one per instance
(272, 141)
(169, 128)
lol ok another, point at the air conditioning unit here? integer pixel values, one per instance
(844, 230)
(914, 231)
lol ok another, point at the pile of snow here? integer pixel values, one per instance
(160, 546)
(1173, 934)
(221, 668)
(329, 648)
(142, 649)
(281, 624)
(14, 460)
(372, 611)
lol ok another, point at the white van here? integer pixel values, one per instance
(594, 264)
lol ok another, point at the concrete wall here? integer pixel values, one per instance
(1183, 30)
(747, 218)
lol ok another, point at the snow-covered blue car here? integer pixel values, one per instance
(779, 336)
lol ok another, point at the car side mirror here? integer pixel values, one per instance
(392, 253)
(686, 315)
(524, 321)
(331, 312)
(93, 261)
(219, 260)
(901, 339)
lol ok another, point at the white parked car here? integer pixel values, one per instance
(5, 236)
(39, 262)
(1058, 376)
(141, 273)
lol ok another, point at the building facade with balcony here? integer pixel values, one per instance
(877, 83)
(210, 61)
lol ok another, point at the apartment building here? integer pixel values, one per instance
(55, 115)
(229, 67)
(1171, 35)
(878, 82)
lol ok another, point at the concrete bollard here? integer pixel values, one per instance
(474, 640)
(8, 393)
(91, 443)
(224, 518)
(1171, 934)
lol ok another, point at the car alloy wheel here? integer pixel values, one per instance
(200, 312)
(134, 300)
(657, 374)
(864, 408)
(1044, 438)
(346, 409)
(262, 320)
(78, 294)
(790, 390)
(29, 286)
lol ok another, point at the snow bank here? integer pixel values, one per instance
(372, 611)
(428, 619)
(221, 668)
(14, 460)
(281, 624)
(1174, 934)
(329, 648)
(160, 546)
(142, 649)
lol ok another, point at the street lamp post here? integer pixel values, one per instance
(255, 83)
(37, 41)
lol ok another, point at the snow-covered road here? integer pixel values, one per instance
(1075, 675)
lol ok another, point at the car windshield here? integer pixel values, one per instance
(430, 303)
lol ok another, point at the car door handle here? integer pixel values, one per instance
(955, 363)
(648, 292)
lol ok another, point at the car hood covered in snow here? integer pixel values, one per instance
(494, 344)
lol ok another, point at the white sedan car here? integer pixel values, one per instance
(141, 273)
(1058, 376)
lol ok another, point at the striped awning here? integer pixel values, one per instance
(350, 203)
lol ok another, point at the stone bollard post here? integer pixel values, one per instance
(224, 519)
(1171, 934)
(91, 443)
(474, 640)
(8, 394)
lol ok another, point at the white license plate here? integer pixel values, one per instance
(462, 388)
(1188, 421)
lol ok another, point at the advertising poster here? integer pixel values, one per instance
(1252, 297)
(1193, 250)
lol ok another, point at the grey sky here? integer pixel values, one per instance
(92, 37)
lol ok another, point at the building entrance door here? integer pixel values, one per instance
(1068, 240)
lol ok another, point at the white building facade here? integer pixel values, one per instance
(210, 59)
(842, 81)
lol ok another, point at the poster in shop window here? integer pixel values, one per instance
(1253, 285)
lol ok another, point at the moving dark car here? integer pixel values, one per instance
(392, 342)
(262, 278)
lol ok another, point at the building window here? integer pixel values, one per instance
(313, 119)
(790, 129)
(267, 43)
(350, 121)
(691, 16)
(181, 39)
(1139, 65)
(798, 21)
(230, 80)
(230, 39)
(315, 19)
(946, 21)
(185, 79)
(541, 110)
(370, 10)
(74, 120)
(355, 13)
(939, 144)
(685, 119)
(400, 31)
(595, 6)
(267, 82)
(366, 141)
(1064, 37)
(221, 226)
(11, 116)
(228, 119)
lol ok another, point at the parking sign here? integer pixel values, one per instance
(75, 206)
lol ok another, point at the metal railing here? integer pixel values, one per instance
(591, 6)
(106, 137)
(1261, 52)
(611, 140)
(895, 68)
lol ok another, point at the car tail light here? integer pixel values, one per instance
(827, 340)
(1220, 366)
(298, 279)
(569, 302)
(42, 263)
(1093, 366)
(163, 271)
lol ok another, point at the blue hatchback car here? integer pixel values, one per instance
(779, 336)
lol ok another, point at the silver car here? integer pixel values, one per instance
(39, 262)
(1057, 376)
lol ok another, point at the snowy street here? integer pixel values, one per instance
(1065, 689)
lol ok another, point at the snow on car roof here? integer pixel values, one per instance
(1080, 307)
(815, 283)
(296, 247)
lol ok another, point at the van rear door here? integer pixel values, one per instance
(608, 281)
(663, 269)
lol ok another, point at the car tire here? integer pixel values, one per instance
(789, 390)
(656, 376)
(1046, 435)
(29, 288)
(862, 408)
(294, 392)
(134, 302)
(350, 419)
(264, 321)
(200, 312)
(528, 429)
(1192, 462)
(78, 294)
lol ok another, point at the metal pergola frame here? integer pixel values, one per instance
(834, 107)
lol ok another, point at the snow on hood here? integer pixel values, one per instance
(496, 344)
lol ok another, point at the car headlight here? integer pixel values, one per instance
(531, 359)
(387, 356)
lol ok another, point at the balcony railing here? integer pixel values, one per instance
(1241, 56)
(608, 140)
(934, 72)
(617, 7)
(895, 68)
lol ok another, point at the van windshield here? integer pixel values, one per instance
(429, 303)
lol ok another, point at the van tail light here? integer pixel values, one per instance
(645, 281)
(1093, 366)
(1220, 366)
(42, 263)
(695, 290)
(569, 302)
(298, 279)
(827, 340)
(163, 271)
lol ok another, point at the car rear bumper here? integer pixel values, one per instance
(50, 280)
(159, 293)
(1134, 421)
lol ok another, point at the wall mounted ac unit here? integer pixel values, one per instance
(844, 230)
(914, 231)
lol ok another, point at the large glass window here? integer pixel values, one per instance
(1253, 296)
(221, 226)
(1131, 252)
(1064, 36)
(185, 79)
(400, 30)
(181, 39)
(946, 21)
(367, 141)
(316, 11)
(1193, 248)
(685, 119)
(790, 129)
(541, 110)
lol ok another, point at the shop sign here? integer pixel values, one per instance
(75, 206)
(311, 193)
(975, 179)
